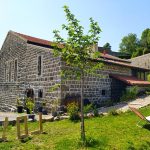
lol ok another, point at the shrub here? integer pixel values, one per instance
(73, 111)
(29, 104)
(148, 77)
(130, 93)
(88, 108)
(95, 111)
(89, 142)
(114, 112)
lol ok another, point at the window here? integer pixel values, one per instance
(5, 71)
(15, 70)
(103, 92)
(40, 93)
(39, 65)
(10, 72)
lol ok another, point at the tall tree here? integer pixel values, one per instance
(77, 51)
(129, 44)
(107, 46)
(145, 40)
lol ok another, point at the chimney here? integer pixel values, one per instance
(95, 47)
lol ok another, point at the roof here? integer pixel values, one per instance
(37, 41)
(108, 56)
(105, 57)
(123, 64)
(130, 80)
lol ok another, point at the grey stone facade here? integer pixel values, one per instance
(142, 61)
(19, 72)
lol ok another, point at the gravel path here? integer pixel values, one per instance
(138, 103)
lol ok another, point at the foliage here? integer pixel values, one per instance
(18, 101)
(148, 77)
(114, 112)
(64, 135)
(73, 111)
(95, 111)
(88, 108)
(29, 104)
(145, 40)
(130, 44)
(107, 46)
(77, 49)
(89, 142)
(130, 93)
(78, 52)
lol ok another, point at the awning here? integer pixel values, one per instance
(130, 80)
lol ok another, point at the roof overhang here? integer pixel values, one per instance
(130, 80)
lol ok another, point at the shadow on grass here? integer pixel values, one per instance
(96, 143)
(24, 140)
(100, 142)
(147, 126)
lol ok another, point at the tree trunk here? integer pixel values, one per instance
(82, 106)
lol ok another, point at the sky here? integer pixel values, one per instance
(38, 18)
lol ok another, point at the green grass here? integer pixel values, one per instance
(103, 133)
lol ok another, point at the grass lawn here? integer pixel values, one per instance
(108, 132)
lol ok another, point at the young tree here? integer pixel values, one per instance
(78, 52)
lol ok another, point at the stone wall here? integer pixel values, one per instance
(12, 49)
(50, 74)
(8, 96)
(96, 89)
(141, 61)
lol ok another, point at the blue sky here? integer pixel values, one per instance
(39, 18)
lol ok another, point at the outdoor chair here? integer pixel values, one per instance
(136, 111)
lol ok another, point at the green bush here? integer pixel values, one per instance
(89, 142)
(130, 93)
(73, 111)
(95, 111)
(114, 112)
(148, 77)
(88, 108)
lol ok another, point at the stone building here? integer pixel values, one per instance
(29, 69)
(141, 61)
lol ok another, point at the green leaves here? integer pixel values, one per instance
(77, 47)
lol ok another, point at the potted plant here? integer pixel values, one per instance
(19, 106)
(42, 107)
(29, 107)
(54, 107)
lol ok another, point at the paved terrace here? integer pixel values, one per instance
(138, 103)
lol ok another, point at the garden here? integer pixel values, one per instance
(113, 131)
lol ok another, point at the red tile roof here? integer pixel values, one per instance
(108, 56)
(37, 40)
(105, 57)
(130, 80)
(122, 64)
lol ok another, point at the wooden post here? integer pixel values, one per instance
(40, 130)
(40, 122)
(18, 127)
(5, 124)
(25, 127)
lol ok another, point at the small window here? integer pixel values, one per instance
(5, 70)
(10, 72)
(103, 92)
(40, 93)
(39, 65)
(15, 70)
